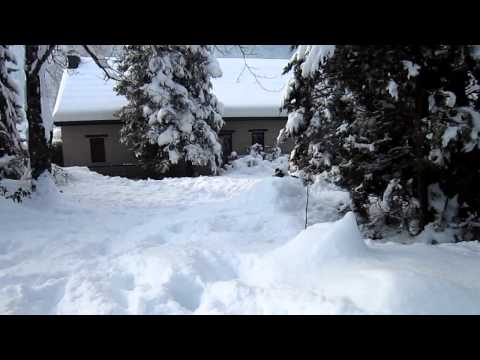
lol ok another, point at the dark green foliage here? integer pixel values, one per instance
(13, 156)
(377, 129)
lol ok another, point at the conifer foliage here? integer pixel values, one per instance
(398, 126)
(13, 156)
(172, 115)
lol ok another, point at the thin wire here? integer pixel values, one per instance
(306, 208)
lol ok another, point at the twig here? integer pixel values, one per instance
(306, 207)
(99, 64)
(255, 76)
(39, 63)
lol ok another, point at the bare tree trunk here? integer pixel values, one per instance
(38, 146)
(189, 169)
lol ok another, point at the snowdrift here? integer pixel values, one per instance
(330, 269)
(256, 166)
(231, 244)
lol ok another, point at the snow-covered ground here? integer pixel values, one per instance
(232, 244)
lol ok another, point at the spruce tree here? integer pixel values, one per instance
(378, 119)
(172, 115)
(13, 156)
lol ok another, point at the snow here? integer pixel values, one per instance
(19, 76)
(57, 135)
(214, 68)
(168, 136)
(450, 98)
(449, 134)
(475, 117)
(5, 159)
(412, 68)
(230, 244)
(295, 121)
(254, 51)
(474, 124)
(256, 91)
(314, 55)
(392, 89)
(85, 95)
(387, 195)
(476, 52)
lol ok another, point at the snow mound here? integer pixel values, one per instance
(46, 193)
(256, 166)
(309, 252)
(324, 242)
(329, 268)
(231, 244)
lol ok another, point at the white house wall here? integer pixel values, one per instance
(76, 144)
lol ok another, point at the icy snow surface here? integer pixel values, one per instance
(231, 244)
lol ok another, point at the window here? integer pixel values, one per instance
(97, 149)
(258, 137)
(226, 139)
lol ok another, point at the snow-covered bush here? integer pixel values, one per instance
(250, 165)
(256, 154)
(172, 114)
(60, 176)
(233, 156)
(275, 153)
(256, 150)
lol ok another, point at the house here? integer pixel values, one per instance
(86, 103)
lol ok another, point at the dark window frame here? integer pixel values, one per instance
(98, 153)
(97, 136)
(228, 134)
(255, 133)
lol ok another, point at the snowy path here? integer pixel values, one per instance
(112, 245)
(215, 245)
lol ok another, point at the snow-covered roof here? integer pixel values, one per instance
(85, 95)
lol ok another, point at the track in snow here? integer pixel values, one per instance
(232, 244)
(113, 245)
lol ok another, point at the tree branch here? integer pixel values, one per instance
(250, 70)
(43, 59)
(99, 63)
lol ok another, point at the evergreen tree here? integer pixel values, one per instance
(377, 119)
(171, 115)
(13, 156)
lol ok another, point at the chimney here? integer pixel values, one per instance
(73, 61)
